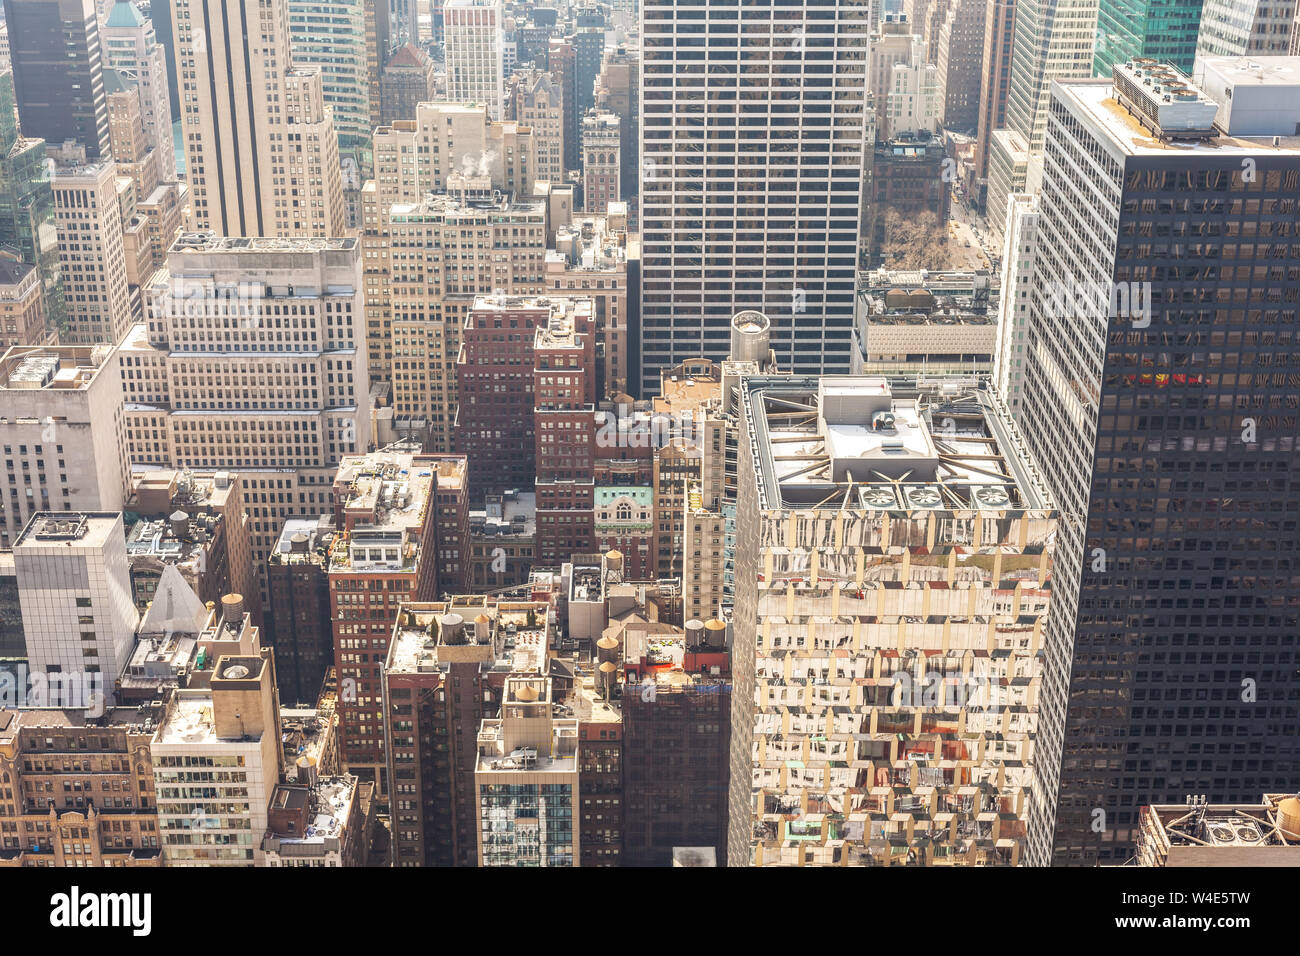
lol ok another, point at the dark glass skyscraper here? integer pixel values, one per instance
(58, 79)
(27, 204)
(1165, 30)
(1161, 402)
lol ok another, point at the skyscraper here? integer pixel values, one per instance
(75, 591)
(536, 99)
(1159, 402)
(55, 53)
(62, 431)
(261, 153)
(27, 203)
(893, 582)
(1165, 30)
(252, 359)
(475, 73)
(995, 73)
(331, 35)
(752, 177)
(588, 40)
(1240, 27)
(618, 90)
(1053, 41)
(407, 81)
(131, 48)
(601, 154)
(960, 56)
(92, 255)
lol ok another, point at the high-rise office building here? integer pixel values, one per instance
(1242, 27)
(407, 81)
(63, 433)
(618, 91)
(561, 62)
(752, 178)
(995, 73)
(216, 754)
(914, 101)
(251, 359)
(153, 208)
(22, 304)
(1159, 405)
(132, 48)
(527, 779)
(595, 257)
(1013, 301)
(299, 612)
(331, 35)
(54, 49)
(92, 254)
(475, 72)
(470, 643)
(383, 555)
(926, 17)
(75, 589)
(601, 158)
(261, 151)
(536, 99)
(676, 705)
(27, 203)
(428, 248)
(892, 43)
(960, 57)
(893, 580)
(1160, 29)
(1053, 41)
(588, 41)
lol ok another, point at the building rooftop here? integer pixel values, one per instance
(507, 635)
(1098, 102)
(302, 540)
(492, 205)
(304, 733)
(158, 538)
(175, 608)
(510, 513)
(869, 444)
(1263, 834)
(519, 741)
(385, 499)
(211, 242)
(560, 331)
(85, 530)
(160, 659)
(66, 368)
(517, 302)
(160, 493)
(688, 387)
(328, 804)
(14, 271)
(190, 721)
(588, 583)
(125, 15)
(138, 719)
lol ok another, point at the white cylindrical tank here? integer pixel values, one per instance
(750, 337)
